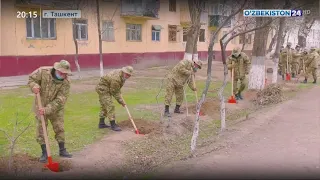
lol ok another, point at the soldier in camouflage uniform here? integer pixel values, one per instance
(286, 55)
(53, 85)
(296, 56)
(177, 78)
(303, 58)
(240, 62)
(110, 86)
(312, 65)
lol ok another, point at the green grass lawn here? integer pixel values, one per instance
(81, 115)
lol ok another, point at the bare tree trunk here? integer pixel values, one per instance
(273, 42)
(204, 94)
(243, 45)
(257, 71)
(205, 91)
(280, 39)
(304, 30)
(221, 97)
(100, 40)
(193, 32)
(76, 57)
(289, 32)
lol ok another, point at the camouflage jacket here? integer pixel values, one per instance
(312, 60)
(181, 74)
(241, 65)
(112, 83)
(54, 93)
(286, 54)
(296, 56)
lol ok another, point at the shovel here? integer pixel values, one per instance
(53, 166)
(131, 119)
(288, 77)
(232, 100)
(196, 94)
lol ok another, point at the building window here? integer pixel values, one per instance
(241, 39)
(81, 29)
(172, 5)
(172, 33)
(185, 34)
(107, 31)
(248, 39)
(44, 30)
(133, 32)
(202, 35)
(156, 29)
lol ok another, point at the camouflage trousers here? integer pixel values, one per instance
(313, 72)
(57, 122)
(242, 85)
(295, 68)
(173, 89)
(284, 68)
(107, 108)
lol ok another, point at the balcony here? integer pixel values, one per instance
(140, 9)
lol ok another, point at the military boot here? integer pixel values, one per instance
(44, 156)
(102, 124)
(114, 126)
(240, 96)
(63, 151)
(166, 111)
(177, 110)
(305, 81)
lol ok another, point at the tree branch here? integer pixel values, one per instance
(225, 21)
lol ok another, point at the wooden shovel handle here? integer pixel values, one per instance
(44, 129)
(232, 77)
(194, 84)
(130, 117)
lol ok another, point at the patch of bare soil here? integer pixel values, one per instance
(144, 126)
(210, 107)
(25, 164)
(272, 94)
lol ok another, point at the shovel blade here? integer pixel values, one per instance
(137, 132)
(53, 166)
(288, 77)
(232, 100)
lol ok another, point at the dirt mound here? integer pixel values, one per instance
(272, 94)
(250, 94)
(144, 126)
(23, 163)
(210, 107)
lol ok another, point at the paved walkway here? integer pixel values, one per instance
(283, 141)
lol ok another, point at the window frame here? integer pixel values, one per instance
(137, 30)
(32, 28)
(155, 31)
(77, 25)
(106, 31)
(172, 6)
(171, 28)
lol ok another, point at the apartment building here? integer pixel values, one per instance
(131, 31)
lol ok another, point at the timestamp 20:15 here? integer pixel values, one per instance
(30, 14)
